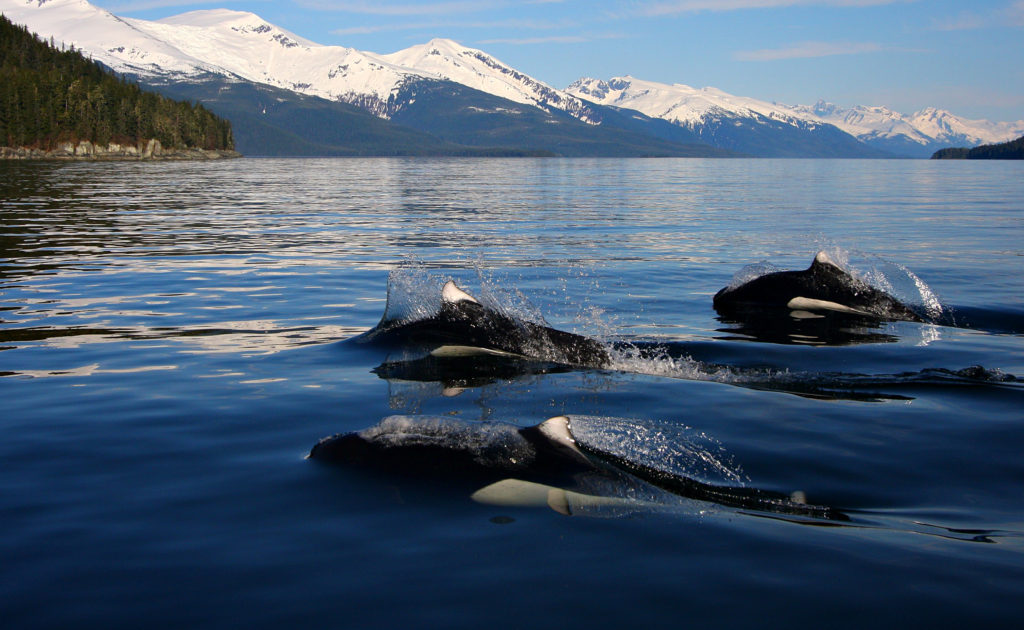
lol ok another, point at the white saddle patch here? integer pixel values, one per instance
(823, 258)
(557, 430)
(453, 294)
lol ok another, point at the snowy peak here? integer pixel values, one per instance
(945, 126)
(865, 123)
(244, 45)
(879, 126)
(677, 103)
(235, 44)
(927, 127)
(239, 44)
(446, 59)
(113, 41)
(241, 22)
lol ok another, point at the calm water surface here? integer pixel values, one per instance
(171, 348)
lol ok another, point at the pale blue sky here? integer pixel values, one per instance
(963, 56)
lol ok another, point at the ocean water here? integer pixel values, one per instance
(175, 337)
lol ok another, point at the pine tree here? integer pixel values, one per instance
(49, 95)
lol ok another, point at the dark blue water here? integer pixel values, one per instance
(171, 349)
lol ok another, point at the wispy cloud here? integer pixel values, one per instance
(966, 21)
(553, 39)
(448, 24)
(1015, 14)
(413, 8)
(391, 8)
(128, 7)
(670, 7)
(810, 50)
(1011, 15)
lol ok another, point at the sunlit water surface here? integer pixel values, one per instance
(171, 348)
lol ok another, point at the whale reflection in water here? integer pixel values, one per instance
(575, 465)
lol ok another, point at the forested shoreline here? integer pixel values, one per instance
(56, 102)
(1012, 150)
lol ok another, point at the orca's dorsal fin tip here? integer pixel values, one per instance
(557, 430)
(453, 294)
(821, 259)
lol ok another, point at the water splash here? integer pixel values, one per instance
(892, 277)
(752, 272)
(670, 447)
(413, 293)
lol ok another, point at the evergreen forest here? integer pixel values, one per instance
(50, 96)
(1012, 150)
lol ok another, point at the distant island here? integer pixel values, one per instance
(56, 104)
(1012, 150)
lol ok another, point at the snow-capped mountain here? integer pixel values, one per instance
(724, 120)
(220, 42)
(234, 46)
(919, 134)
(679, 104)
(241, 44)
(116, 42)
(864, 122)
(947, 127)
(449, 60)
(244, 45)
(284, 94)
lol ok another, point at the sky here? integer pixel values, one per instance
(963, 56)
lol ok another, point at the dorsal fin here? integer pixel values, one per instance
(822, 261)
(821, 258)
(557, 430)
(453, 294)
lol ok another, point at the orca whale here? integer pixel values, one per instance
(557, 463)
(462, 325)
(824, 287)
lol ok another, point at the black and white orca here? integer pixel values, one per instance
(824, 287)
(462, 325)
(555, 463)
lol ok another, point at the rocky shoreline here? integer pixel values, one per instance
(85, 150)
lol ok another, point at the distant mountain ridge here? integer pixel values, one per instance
(219, 55)
(465, 96)
(881, 128)
(918, 134)
(724, 120)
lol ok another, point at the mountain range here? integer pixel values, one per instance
(286, 95)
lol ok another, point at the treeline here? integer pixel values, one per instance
(1012, 150)
(50, 96)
